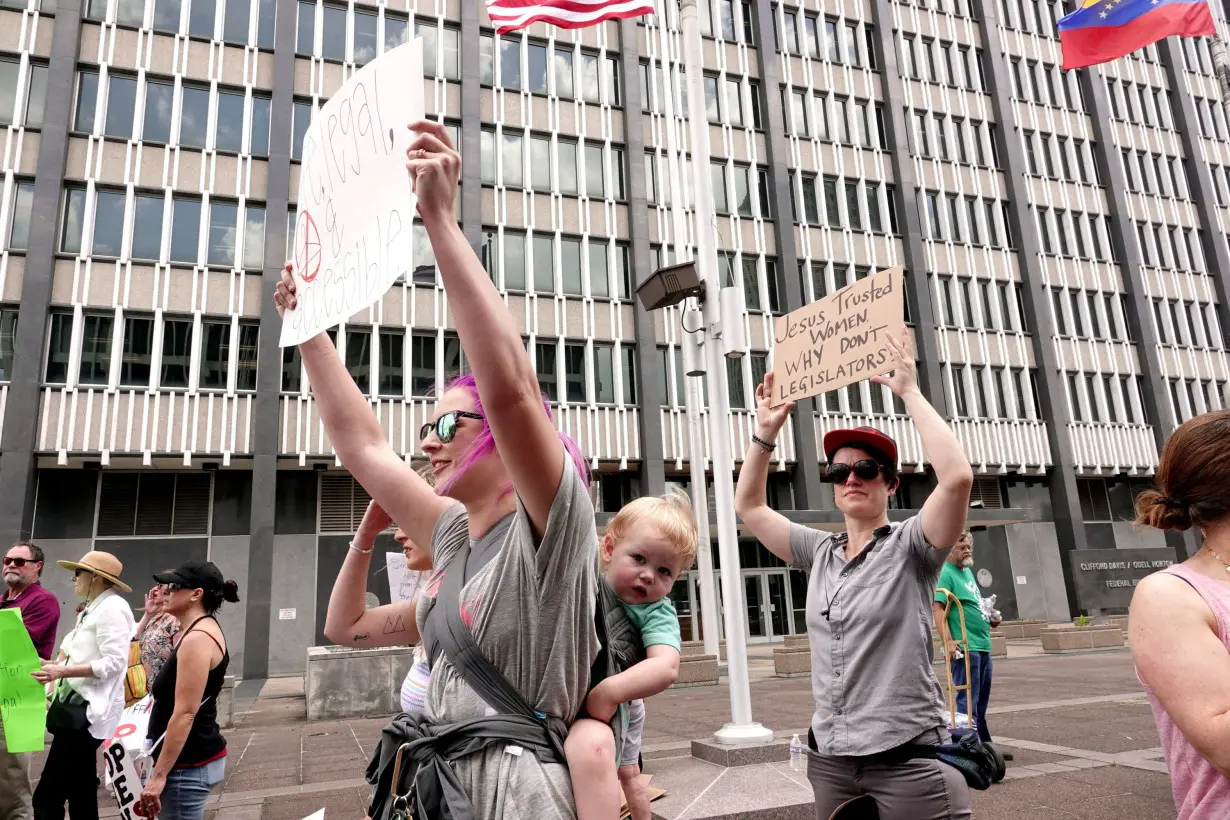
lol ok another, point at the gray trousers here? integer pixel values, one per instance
(14, 783)
(918, 789)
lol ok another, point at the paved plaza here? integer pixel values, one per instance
(1079, 726)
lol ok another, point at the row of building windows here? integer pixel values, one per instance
(1081, 314)
(1105, 399)
(966, 219)
(521, 262)
(959, 8)
(979, 309)
(1140, 105)
(722, 18)
(1048, 84)
(731, 182)
(972, 145)
(1169, 246)
(1155, 173)
(825, 38)
(1196, 54)
(152, 227)
(150, 352)
(860, 205)
(938, 61)
(1191, 397)
(844, 120)
(1212, 118)
(1074, 234)
(1062, 157)
(23, 91)
(172, 112)
(576, 168)
(727, 105)
(338, 33)
(236, 22)
(985, 392)
(1037, 16)
(1188, 323)
(563, 70)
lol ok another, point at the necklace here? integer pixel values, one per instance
(1218, 557)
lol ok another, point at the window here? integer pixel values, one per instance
(249, 349)
(546, 369)
(307, 27)
(302, 118)
(147, 226)
(359, 358)
(567, 154)
(604, 374)
(751, 285)
(832, 207)
(422, 364)
(544, 264)
(19, 227)
(742, 190)
(137, 355)
(108, 223)
(73, 221)
(95, 349)
(798, 103)
(574, 373)
(201, 19)
(593, 171)
(177, 353)
(852, 206)
(957, 379)
(121, 106)
(1074, 398)
(332, 33)
(510, 64)
(510, 155)
(235, 21)
(222, 223)
(215, 353)
(717, 175)
(599, 274)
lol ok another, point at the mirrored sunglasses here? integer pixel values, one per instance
(445, 427)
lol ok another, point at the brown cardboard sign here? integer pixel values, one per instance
(838, 340)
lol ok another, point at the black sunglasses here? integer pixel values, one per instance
(445, 427)
(18, 562)
(866, 469)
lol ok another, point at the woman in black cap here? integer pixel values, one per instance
(183, 726)
(869, 598)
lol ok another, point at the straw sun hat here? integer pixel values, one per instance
(103, 564)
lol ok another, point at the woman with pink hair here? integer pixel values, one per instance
(511, 504)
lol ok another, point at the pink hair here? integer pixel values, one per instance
(484, 444)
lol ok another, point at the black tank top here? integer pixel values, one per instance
(205, 741)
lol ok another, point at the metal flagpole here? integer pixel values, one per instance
(692, 399)
(742, 728)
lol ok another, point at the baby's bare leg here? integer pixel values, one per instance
(635, 792)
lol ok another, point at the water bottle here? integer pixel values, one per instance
(798, 758)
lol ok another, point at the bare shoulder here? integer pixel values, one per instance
(1165, 600)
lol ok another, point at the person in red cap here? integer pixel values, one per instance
(869, 598)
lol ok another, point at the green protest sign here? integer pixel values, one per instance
(23, 700)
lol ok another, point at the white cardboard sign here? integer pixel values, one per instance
(125, 781)
(353, 230)
(403, 581)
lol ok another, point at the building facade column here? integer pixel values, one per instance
(471, 127)
(265, 422)
(1065, 503)
(806, 477)
(653, 468)
(18, 468)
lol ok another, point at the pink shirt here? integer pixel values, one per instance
(1200, 791)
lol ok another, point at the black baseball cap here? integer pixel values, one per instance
(864, 438)
(194, 575)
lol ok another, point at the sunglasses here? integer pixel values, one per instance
(445, 427)
(18, 562)
(176, 587)
(866, 469)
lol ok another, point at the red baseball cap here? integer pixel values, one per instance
(865, 438)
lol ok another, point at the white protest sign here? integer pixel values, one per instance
(319, 815)
(125, 782)
(403, 582)
(838, 340)
(353, 236)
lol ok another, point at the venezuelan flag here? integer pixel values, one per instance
(1104, 30)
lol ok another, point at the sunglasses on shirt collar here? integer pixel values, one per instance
(866, 469)
(445, 427)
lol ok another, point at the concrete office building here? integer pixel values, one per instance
(1063, 235)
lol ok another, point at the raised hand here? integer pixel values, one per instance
(769, 419)
(375, 520)
(904, 376)
(284, 293)
(434, 167)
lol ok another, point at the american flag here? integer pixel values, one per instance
(510, 15)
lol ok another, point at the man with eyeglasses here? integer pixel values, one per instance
(40, 612)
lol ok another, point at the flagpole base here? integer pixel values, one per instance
(735, 734)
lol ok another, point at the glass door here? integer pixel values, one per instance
(779, 603)
(757, 628)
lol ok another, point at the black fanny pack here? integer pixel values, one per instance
(966, 753)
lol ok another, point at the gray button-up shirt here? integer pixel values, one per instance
(871, 655)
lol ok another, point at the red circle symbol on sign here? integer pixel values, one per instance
(307, 253)
(124, 730)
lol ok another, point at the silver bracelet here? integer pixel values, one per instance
(367, 551)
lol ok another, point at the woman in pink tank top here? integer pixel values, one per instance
(1180, 617)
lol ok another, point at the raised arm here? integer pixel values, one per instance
(356, 434)
(770, 527)
(348, 621)
(1180, 657)
(527, 440)
(944, 512)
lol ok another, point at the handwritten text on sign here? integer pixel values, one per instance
(838, 340)
(353, 236)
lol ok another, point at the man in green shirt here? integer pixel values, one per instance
(957, 577)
